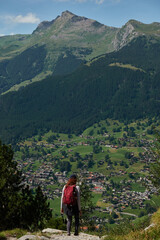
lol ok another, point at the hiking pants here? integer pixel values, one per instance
(69, 222)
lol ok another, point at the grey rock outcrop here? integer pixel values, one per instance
(125, 35)
(27, 237)
(150, 226)
(51, 230)
(54, 234)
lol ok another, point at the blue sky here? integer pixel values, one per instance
(23, 16)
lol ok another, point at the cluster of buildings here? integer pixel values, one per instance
(51, 181)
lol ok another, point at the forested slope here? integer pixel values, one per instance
(123, 85)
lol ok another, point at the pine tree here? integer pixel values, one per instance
(155, 167)
(87, 205)
(42, 212)
(10, 184)
(18, 206)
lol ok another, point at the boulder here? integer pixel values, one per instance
(27, 237)
(52, 231)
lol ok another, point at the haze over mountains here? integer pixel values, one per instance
(78, 71)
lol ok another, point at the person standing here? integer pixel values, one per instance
(70, 203)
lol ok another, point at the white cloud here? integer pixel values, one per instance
(81, 1)
(100, 1)
(94, 1)
(11, 34)
(116, 1)
(29, 18)
(111, 1)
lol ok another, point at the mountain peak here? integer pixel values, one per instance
(79, 22)
(46, 24)
(143, 28)
(133, 21)
(67, 14)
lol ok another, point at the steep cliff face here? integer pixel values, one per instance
(133, 29)
(125, 35)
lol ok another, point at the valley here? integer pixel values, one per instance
(77, 96)
(112, 157)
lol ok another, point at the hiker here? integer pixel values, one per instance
(70, 203)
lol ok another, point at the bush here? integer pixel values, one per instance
(57, 223)
(2, 236)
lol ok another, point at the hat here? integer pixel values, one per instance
(73, 176)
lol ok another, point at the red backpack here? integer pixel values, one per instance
(70, 195)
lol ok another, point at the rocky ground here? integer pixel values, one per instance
(54, 234)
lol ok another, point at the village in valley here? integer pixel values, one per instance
(112, 158)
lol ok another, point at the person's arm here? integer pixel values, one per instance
(78, 198)
(62, 199)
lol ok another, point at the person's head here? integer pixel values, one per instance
(72, 180)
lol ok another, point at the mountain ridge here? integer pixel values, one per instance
(65, 16)
(67, 78)
(66, 39)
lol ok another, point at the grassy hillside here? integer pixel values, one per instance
(136, 231)
(152, 28)
(68, 41)
(123, 85)
(11, 46)
(24, 66)
(122, 232)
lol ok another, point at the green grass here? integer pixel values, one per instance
(96, 197)
(39, 77)
(53, 187)
(118, 179)
(132, 211)
(2, 236)
(12, 233)
(135, 231)
(118, 155)
(138, 187)
(55, 205)
(83, 149)
(126, 66)
(136, 167)
(155, 201)
(147, 28)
